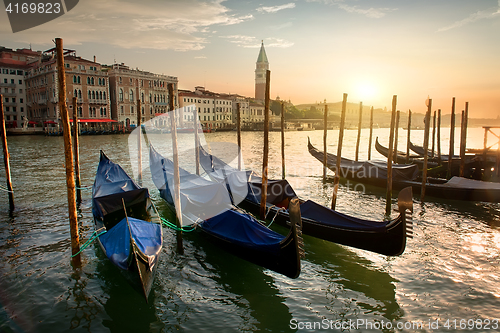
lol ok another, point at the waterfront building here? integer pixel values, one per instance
(215, 111)
(14, 65)
(261, 67)
(85, 79)
(128, 85)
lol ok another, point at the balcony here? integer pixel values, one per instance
(11, 85)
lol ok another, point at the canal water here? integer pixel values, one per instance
(447, 280)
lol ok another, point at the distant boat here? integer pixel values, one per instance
(404, 175)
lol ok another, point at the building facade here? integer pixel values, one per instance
(86, 80)
(215, 111)
(13, 69)
(129, 85)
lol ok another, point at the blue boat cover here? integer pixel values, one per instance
(311, 210)
(277, 190)
(147, 236)
(243, 230)
(111, 184)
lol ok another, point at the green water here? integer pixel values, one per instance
(449, 271)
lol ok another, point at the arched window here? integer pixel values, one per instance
(105, 112)
(88, 80)
(90, 95)
(120, 96)
(79, 94)
(104, 95)
(93, 94)
(142, 97)
(76, 93)
(74, 78)
(142, 110)
(92, 81)
(150, 110)
(150, 98)
(78, 79)
(100, 95)
(131, 95)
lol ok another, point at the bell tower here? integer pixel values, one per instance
(261, 66)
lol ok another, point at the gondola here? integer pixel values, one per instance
(375, 173)
(122, 208)
(207, 205)
(401, 156)
(387, 237)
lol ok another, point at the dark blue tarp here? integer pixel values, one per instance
(243, 230)
(116, 241)
(277, 190)
(111, 184)
(311, 210)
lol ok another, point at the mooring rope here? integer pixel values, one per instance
(91, 239)
(6, 190)
(277, 212)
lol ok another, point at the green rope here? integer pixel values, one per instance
(173, 226)
(87, 243)
(5, 189)
(83, 188)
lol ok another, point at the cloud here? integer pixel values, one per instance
(477, 16)
(176, 25)
(253, 42)
(368, 12)
(274, 9)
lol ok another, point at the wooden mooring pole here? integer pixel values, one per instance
(439, 136)
(426, 148)
(408, 138)
(6, 157)
(396, 135)
(452, 139)
(325, 130)
(76, 151)
(265, 158)
(336, 180)
(139, 146)
(177, 178)
(463, 140)
(388, 194)
(238, 126)
(283, 140)
(68, 153)
(360, 119)
(433, 135)
(196, 140)
(371, 135)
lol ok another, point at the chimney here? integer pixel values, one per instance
(94, 59)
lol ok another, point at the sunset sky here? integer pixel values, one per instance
(317, 49)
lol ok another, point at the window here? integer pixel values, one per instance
(104, 95)
(121, 110)
(20, 81)
(79, 94)
(21, 100)
(78, 79)
(5, 71)
(13, 71)
(12, 81)
(74, 78)
(92, 81)
(131, 109)
(88, 80)
(120, 79)
(22, 109)
(131, 94)
(120, 95)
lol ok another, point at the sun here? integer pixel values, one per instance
(366, 91)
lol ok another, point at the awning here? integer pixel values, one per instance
(95, 121)
(49, 122)
(31, 122)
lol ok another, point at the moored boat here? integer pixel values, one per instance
(384, 237)
(129, 229)
(208, 205)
